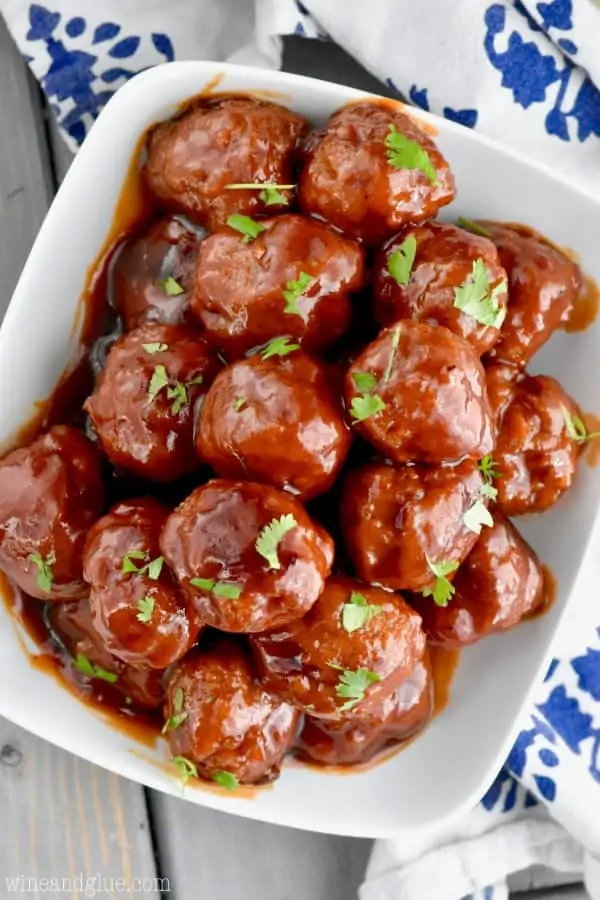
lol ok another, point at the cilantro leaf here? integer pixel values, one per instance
(487, 467)
(293, 292)
(145, 608)
(364, 381)
(395, 341)
(238, 403)
(267, 542)
(128, 564)
(476, 516)
(358, 612)
(475, 298)
(154, 568)
(157, 347)
(179, 714)
(352, 685)
(227, 591)
(246, 226)
(186, 768)
(401, 261)
(226, 780)
(158, 382)
(575, 428)
(45, 575)
(474, 227)
(171, 287)
(83, 665)
(179, 395)
(403, 153)
(270, 194)
(365, 406)
(442, 590)
(279, 346)
(205, 584)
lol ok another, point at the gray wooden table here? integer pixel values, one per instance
(62, 817)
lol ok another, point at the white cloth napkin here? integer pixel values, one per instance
(527, 73)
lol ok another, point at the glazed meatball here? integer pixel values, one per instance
(294, 278)
(230, 723)
(500, 583)
(398, 523)
(361, 176)
(355, 646)
(500, 380)
(452, 269)
(394, 719)
(248, 555)
(535, 455)
(543, 284)
(418, 393)
(93, 669)
(153, 274)
(142, 408)
(193, 159)
(50, 494)
(138, 610)
(274, 420)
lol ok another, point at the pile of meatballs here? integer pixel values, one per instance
(340, 381)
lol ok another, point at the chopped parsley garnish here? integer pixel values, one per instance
(145, 608)
(402, 153)
(575, 428)
(364, 381)
(395, 341)
(487, 467)
(178, 392)
(155, 348)
(293, 292)
(179, 714)
(88, 668)
(358, 612)
(246, 226)
(45, 575)
(442, 590)
(476, 516)
(152, 569)
(474, 227)
(171, 287)
(352, 685)
(159, 380)
(267, 542)
(489, 492)
(279, 346)
(238, 403)
(186, 768)
(226, 780)
(475, 297)
(401, 261)
(365, 406)
(218, 588)
(270, 194)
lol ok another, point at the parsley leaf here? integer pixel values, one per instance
(146, 608)
(158, 347)
(179, 395)
(205, 584)
(476, 516)
(171, 287)
(88, 668)
(158, 382)
(364, 381)
(475, 298)
(218, 588)
(401, 261)
(395, 341)
(152, 568)
(293, 292)
(575, 428)
(238, 403)
(246, 226)
(358, 612)
(489, 491)
(270, 194)
(279, 346)
(45, 576)
(442, 590)
(226, 780)
(186, 768)
(487, 467)
(474, 227)
(267, 542)
(365, 406)
(402, 153)
(179, 714)
(353, 684)
(128, 564)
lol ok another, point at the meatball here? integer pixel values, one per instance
(153, 274)
(248, 555)
(355, 646)
(535, 456)
(221, 719)
(449, 264)
(194, 159)
(500, 583)
(500, 380)
(294, 278)
(142, 408)
(94, 670)
(50, 494)
(395, 718)
(138, 610)
(399, 524)
(274, 420)
(373, 170)
(418, 393)
(543, 284)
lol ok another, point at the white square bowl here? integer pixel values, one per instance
(448, 769)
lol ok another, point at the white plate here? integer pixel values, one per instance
(450, 766)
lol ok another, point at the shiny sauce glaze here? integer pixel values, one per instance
(240, 469)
